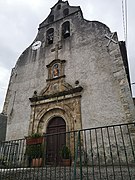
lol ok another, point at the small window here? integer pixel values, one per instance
(66, 29)
(66, 12)
(59, 7)
(51, 19)
(50, 36)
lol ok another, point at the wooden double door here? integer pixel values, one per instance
(56, 139)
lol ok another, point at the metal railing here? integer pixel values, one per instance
(105, 153)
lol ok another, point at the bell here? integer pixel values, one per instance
(66, 34)
(50, 39)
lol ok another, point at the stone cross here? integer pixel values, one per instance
(110, 39)
(56, 49)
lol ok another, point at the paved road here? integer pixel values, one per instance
(68, 173)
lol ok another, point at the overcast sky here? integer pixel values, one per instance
(19, 20)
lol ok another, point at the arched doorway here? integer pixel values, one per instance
(56, 126)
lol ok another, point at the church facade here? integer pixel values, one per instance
(71, 77)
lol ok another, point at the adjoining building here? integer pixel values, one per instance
(3, 126)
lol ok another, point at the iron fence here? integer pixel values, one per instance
(102, 153)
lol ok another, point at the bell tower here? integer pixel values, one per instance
(58, 97)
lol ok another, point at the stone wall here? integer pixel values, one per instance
(99, 69)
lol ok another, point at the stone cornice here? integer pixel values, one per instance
(62, 93)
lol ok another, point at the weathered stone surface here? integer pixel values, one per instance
(106, 97)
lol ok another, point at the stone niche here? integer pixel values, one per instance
(57, 99)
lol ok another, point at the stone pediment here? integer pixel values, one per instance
(56, 87)
(64, 93)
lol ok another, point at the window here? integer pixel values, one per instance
(59, 7)
(66, 29)
(50, 36)
(50, 18)
(66, 12)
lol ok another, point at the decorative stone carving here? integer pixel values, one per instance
(58, 98)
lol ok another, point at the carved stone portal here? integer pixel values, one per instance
(57, 99)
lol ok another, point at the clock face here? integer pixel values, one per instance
(36, 45)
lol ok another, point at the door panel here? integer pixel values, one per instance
(51, 146)
(57, 141)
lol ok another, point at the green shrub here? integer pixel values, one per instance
(65, 153)
(35, 135)
(34, 151)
